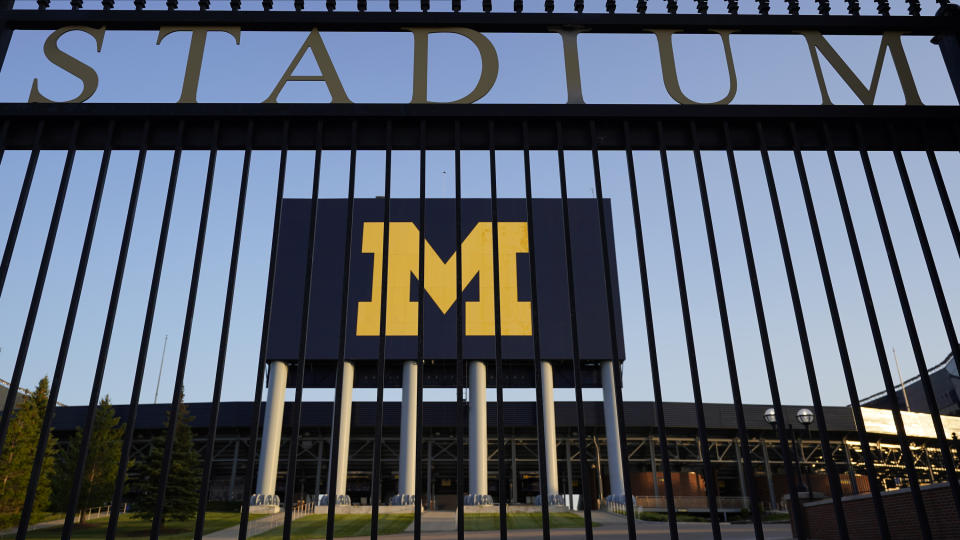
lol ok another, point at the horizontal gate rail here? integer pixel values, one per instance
(482, 22)
(919, 128)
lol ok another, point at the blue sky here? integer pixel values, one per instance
(378, 68)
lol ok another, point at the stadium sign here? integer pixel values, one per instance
(819, 48)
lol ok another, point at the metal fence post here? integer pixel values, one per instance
(949, 46)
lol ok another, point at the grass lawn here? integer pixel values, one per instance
(131, 527)
(315, 526)
(531, 520)
(663, 516)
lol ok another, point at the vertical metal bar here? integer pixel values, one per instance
(945, 315)
(106, 338)
(764, 334)
(460, 327)
(535, 327)
(944, 202)
(3, 138)
(651, 343)
(586, 495)
(381, 357)
(177, 399)
(498, 352)
(907, 315)
(880, 348)
(421, 299)
(768, 473)
(851, 472)
(757, 529)
(41, 275)
(255, 405)
(293, 441)
(614, 337)
(145, 338)
(835, 491)
(688, 332)
(338, 392)
(949, 44)
(875, 489)
(653, 464)
(743, 451)
(929, 459)
(224, 336)
(5, 33)
(65, 339)
(15, 230)
(12, 236)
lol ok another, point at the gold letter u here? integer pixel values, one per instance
(668, 65)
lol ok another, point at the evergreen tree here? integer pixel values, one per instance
(16, 461)
(100, 467)
(183, 483)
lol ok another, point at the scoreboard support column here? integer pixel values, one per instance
(478, 494)
(342, 447)
(554, 498)
(408, 437)
(611, 425)
(266, 498)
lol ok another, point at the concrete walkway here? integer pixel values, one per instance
(436, 521)
(254, 527)
(11, 532)
(609, 526)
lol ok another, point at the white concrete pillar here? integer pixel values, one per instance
(614, 457)
(478, 435)
(408, 437)
(270, 440)
(550, 435)
(343, 443)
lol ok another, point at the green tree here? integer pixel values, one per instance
(183, 483)
(16, 461)
(100, 467)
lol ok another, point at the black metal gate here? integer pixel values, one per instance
(494, 128)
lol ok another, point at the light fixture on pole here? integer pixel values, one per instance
(806, 417)
(770, 416)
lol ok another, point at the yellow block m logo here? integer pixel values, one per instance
(440, 279)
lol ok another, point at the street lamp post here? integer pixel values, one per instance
(770, 415)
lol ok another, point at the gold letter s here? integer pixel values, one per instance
(71, 65)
